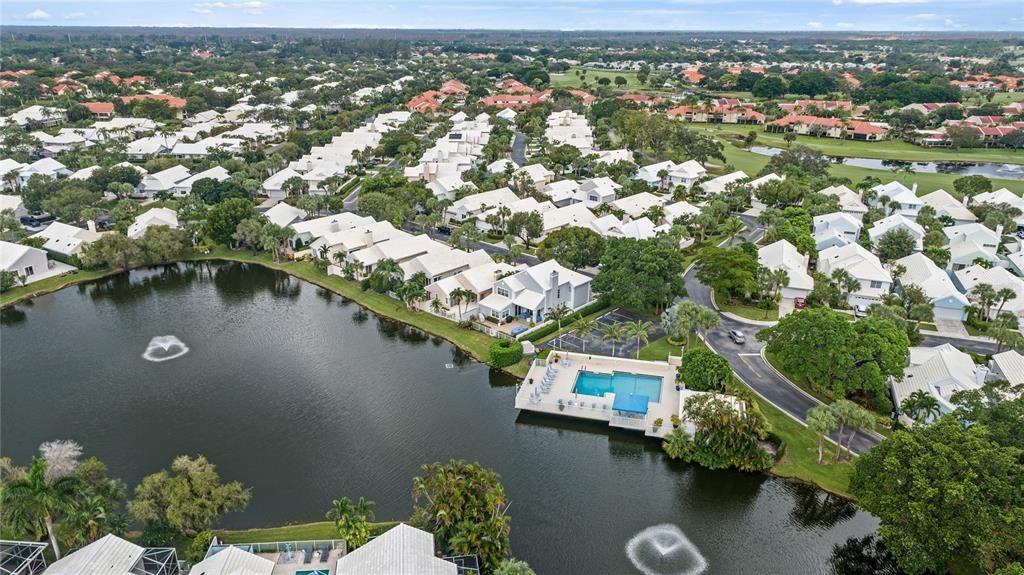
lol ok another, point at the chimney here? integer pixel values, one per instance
(368, 237)
(999, 231)
(966, 200)
(554, 287)
(914, 188)
(980, 374)
(91, 225)
(335, 226)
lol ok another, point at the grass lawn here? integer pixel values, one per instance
(659, 350)
(973, 330)
(49, 285)
(570, 80)
(745, 310)
(884, 150)
(751, 164)
(474, 342)
(299, 532)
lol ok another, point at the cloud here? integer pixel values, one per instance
(37, 15)
(74, 16)
(251, 6)
(814, 25)
(206, 7)
(844, 25)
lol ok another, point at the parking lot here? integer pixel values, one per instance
(624, 348)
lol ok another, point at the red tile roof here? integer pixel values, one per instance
(99, 107)
(172, 101)
(852, 126)
(454, 87)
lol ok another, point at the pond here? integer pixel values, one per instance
(988, 169)
(307, 397)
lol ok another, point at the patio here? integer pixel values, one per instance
(633, 412)
(289, 556)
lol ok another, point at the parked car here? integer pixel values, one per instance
(799, 303)
(104, 225)
(737, 336)
(860, 310)
(29, 221)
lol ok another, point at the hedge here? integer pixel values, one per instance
(506, 352)
(570, 319)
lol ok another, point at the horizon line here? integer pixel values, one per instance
(1011, 31)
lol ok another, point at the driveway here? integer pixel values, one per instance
(626, 348)
(951, 326)
(519, 149)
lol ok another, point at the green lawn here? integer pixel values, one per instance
(745, 310)
(299, 532)
(751, 164)
(659, 350)
(570, 80)
(49, 285)
(884, 150)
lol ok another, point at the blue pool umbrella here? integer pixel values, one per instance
(631, 403)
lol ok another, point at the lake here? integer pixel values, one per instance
(987, 169)
(307, 397)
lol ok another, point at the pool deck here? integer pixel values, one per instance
(561, 400)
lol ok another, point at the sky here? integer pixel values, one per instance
(830, 15)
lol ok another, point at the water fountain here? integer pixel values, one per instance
(163, 348)
(665, 550)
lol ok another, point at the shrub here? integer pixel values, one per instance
(659, 422)
(158, 534)
(197, 548)
(505, 352)
(704, 370)
(570, 319)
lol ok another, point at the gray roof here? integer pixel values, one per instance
(402, 550)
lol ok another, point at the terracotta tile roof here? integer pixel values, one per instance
(99, 107)
(172, 101)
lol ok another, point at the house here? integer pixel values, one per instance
(610, 226)
(445, 188)
(399, 249)
(863, 266)
(596, 191)
(1000, 196)
(444, 262)
(507, 114)
(529, 294)
(13, 203)
(1009, 365)
(946, 205)
(475, 204)
(718, 185)
(353, 239)
(998, 278)
(67, 240)
(233, 560)
(849, 201)
(7, 165)
(401, 550)
(274, 187)
(561, 192)
(150, 146)
(539, 175)
(895, 222)
(100, 110)
(835, 229)
(570, 129)
(783, 255)
(636, 206)
(678, 210)
(478, 280)
(284, 215)
(685, 174)
(24, 261)
(940, 372)
(829, 127)
(886, 194)
(528, 204)
(305, 232)
(969, 242)
(500, 167)
(111, 555)
(38, 116)
(947, 301)
(45, 167)
(163, 181)
(571, 216)
(613, 156)
(184, 187)
(152, 217)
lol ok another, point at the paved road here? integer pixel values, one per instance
(519, 148)
(493, 249)
(972, 345)
(747, 362)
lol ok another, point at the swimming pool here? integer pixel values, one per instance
(620, 382)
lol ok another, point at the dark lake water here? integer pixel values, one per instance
(306, 397)
(987, 169)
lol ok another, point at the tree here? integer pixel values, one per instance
(769, 87)
(642, 274)
(963, 137)
(113, 250)
(612, 333)
(274, 238)
(189, 497)
(731, 228)
(572, 247)
(413, 290)
(352, 520)
(637, 329)
(704, 370)
(249, 232)
(465, 507)
(811, 83)
(821, 420)
(514, 567)
(972, 185)
(798, 161)
(557, 314)
(295, 186)
(68, 203)
(585, 329)
(726, 436)
(212, 191)
(222, 220)
(728, 271)
(386, 276)
(895, 244)
(944, 493)
(162, 244)
(620, 81)
(687, 317)
(526, 226)
(37, 498)
(921, 406)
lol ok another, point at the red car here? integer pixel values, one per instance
(799, 303)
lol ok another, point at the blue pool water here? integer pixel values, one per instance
(619, 383)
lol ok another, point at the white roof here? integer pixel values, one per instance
(773, 177)
(678, 209)
(536, 172)
(152, 217)
(233, 561)
(216, 173)
(276, 181)
(996, 277)
(335, 223)
(784, 255)
(572, 215)
(65, 239)
(9, 202)
(401, 550)
(893, 222)
(283, 214)
(861, 263)
(46, 166)
(165, 179)
(1010, 364)
(560, 190)
(946, 205)
(637, 204)
(718, 184)
(939, 371)
(108, 555)
(8, 165)
(485, 200)
(849, 201)
(922, 272)
(1000, 196)
(897, 191)
(11, 253)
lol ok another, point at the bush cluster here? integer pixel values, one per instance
(505, 352)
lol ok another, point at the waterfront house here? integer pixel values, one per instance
(529, 294)
(443, 262)
(233, 560)
(849, 200)
(945, 204)
(401, 550)
(112, 555)
(152, 217)
(939, 372)
(24, 261)
(67, 240)
(875, 281)
(284, 215)
(305, 232)
(1003, 196)
(947, 301)
(478, 280)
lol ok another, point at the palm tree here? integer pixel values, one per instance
(843, 410)
(412, 291)
(613, 333)
(1004, 295)
(639, 330)
(676, 444)
(921, 406)
(557, 314)
(344, 508)
(34, 498)
(822, 421)
(732, 227)
(585, 329)
(986, 296)
(388, 273)
(859, 418)
(436, 306)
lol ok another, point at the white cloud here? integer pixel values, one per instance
(206, 7)
(74, 16)
(844, 25)
(251, 6)
(814, 25)
(37, 15)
